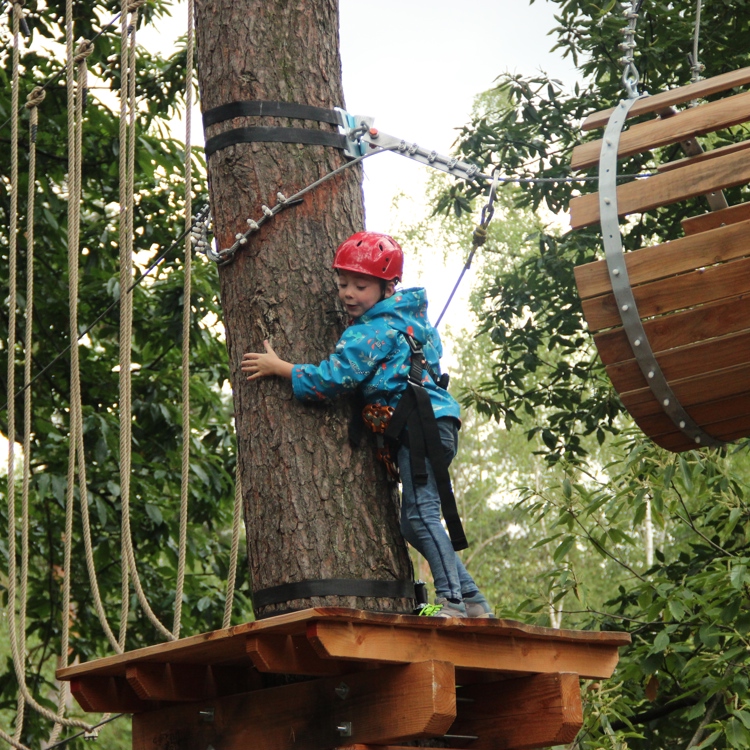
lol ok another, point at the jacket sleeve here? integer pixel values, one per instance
(358, 353)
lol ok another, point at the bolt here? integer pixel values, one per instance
(342, 691)
(344, 728)
(207, 714)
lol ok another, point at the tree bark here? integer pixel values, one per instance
(315, 508)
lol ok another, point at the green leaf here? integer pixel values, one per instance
(563, 548)
(737, 734)
(660, 642)
(738, 575)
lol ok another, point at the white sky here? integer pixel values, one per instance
(416, 65)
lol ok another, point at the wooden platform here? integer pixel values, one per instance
(370, 679)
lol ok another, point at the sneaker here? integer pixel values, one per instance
(477, 606)
(444, 608)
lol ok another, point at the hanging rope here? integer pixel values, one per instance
(186, 307)
(15, 638)
(696, 67)
(236, 523)
(17, 641)
(128, 24)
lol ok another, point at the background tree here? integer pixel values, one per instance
(305, 488)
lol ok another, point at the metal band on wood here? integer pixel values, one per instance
(274, 135)
(623, 292)
(287, 592)
(268, 109)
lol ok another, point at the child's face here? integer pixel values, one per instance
(359, 292)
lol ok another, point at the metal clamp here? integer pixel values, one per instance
(623, 292)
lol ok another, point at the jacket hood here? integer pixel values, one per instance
(405, 310)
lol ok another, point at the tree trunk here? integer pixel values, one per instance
(315, 508)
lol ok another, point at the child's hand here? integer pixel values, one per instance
(261, 365)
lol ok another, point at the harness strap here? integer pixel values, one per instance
(264, 108)
(415, 412)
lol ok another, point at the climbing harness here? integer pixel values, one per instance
(413, 424)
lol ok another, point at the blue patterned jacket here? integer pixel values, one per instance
(373, 356)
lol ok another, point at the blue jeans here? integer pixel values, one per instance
(421, 525)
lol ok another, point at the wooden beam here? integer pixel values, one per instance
(464, 650)
(673, 293)
(394, 704)
(287, 654)
(189, 682)
(716, 245)
(680, 328)
(107, 695)
(708, 221)
(520, 714)
(687, 361)
(732, 148)
(670, 187)
(669, 98)
(662, 131)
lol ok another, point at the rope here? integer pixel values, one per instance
(129, 22)
(696, 67)
(232, 577)
(630, 75)
(186, 307)
(12, 297)
(17, 641)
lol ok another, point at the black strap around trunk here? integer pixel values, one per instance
(268, 109)
(271, 134)
(263, 134)
(287, 592)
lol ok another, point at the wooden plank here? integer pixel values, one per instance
(677, 442)
(670, 187)
(720, 244)
(674, 293)
(680, 328)
(189, 682)
(287, 654)
(394, 704)
(654, 103)
(106, 695)
(704, 156)
(685, 362)
(228, 646)
(713, 219)
(687, 124)
(706, 414)
(691, 391)
(470, 651)
(523, 713)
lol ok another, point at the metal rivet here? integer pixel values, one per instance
(342, 691)
(344, 728)
(637, 342)
(651, 374)
(607, 201)
(682, 425)
(666, 402)
(625, 308)
(207, 715)
(697, 440)
(615, 271)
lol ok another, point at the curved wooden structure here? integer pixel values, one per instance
(370, 679)
(692, 294)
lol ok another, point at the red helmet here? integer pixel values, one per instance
(372, 254)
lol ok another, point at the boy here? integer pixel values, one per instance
(376, 355)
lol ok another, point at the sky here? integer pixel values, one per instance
(416, 66)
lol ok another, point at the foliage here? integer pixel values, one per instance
(158, 305)
(528, 129)
(684, 681)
